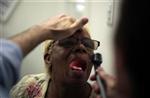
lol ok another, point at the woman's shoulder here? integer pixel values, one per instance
(30, 85)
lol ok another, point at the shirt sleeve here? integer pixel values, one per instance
(10, 61)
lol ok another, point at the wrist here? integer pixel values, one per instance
(41, 32)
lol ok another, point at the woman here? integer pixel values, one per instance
(68, 64)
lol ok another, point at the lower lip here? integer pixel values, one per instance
(77, 73)
(76, 78)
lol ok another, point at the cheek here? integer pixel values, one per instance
(124, 86)
(89, 69)
(59, 61)
(57, 52)
(59, 55)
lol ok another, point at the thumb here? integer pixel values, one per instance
(79, 24)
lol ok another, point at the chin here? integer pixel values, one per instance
(76, 78)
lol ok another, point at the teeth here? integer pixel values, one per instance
(76, 68)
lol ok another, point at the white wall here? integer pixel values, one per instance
(30, 12)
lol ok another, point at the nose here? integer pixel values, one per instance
(80, 48)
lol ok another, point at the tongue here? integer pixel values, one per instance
(76, 68)
(75, 65)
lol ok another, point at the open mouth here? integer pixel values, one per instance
(78, 65)
(78, 70)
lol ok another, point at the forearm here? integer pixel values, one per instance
(54, 28)
(29, 39)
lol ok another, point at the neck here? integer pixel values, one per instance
(65, 91)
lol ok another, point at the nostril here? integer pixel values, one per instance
(80, 50)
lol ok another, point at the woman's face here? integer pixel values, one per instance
(71, 63)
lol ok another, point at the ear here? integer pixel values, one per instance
(47, 58)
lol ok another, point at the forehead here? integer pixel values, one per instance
(81, 33)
